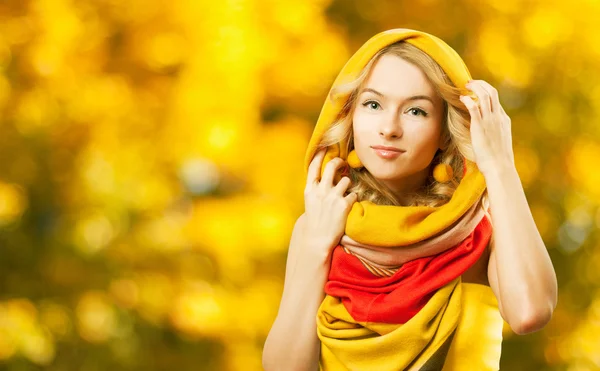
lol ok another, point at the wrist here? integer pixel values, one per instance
(319, 250)
(499, 171)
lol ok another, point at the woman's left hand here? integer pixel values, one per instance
(490, 128)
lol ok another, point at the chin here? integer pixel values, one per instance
(384, 174)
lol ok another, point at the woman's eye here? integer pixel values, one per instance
(371, 103)
(418, 110)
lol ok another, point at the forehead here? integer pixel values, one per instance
(394, 76)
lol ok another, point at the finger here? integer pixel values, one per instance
(482, 96)
(342, 185)
(493, 94)
(314, 167)
(502, 109)
(472, 107)
(330, 169)
(351, 198)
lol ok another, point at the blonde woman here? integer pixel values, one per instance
(417, 241)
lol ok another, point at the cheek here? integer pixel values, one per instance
(361, 128)
(426, 134)
(423, 144)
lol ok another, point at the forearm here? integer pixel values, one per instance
(525, 275)
(293, 343)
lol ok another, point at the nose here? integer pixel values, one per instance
(390, 128)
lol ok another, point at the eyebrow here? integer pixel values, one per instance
(414, 97)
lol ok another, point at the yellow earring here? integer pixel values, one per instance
(353, 160)
(443, 173)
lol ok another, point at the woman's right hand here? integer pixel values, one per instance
(326, 206)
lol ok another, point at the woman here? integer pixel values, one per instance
(397, 261)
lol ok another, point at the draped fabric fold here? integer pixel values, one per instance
(458, 329)
(384, 261)
(357, 345)
(398, 298)
(389, 306)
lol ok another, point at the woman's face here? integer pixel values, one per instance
(397, 107)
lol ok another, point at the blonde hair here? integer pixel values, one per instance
(455, 133)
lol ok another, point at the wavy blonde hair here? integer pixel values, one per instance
(455, 132)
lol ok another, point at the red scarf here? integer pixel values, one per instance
(396, 299)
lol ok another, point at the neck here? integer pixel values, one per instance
(408, 186)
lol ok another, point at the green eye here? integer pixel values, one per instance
(418, 110)
(370, 102)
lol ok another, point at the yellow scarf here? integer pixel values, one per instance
(385, 261)
(417, 344)
(460, 329)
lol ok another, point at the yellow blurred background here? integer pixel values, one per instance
(151, 166)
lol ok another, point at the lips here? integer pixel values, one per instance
(388, 154)
(389, 149)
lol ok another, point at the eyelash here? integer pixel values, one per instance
(413, 108)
